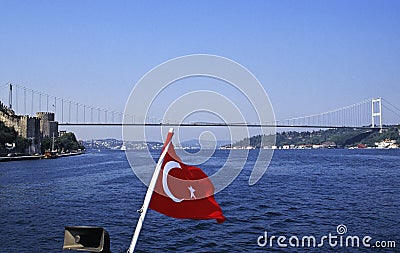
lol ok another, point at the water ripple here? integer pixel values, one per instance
(307, 192)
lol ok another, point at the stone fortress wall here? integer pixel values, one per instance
(33, 128)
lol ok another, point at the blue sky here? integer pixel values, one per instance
(310, 56)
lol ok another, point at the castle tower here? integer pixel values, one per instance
(48, 126)
(29, 128)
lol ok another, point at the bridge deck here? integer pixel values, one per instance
(214, 125)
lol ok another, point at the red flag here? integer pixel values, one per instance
(184, 191)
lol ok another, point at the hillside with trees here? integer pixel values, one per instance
(65, 143)
(341, 138)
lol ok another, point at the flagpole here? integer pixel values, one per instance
(149, 192)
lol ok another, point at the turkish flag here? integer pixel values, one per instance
(184, 191)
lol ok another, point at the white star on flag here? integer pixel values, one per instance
(192, 190)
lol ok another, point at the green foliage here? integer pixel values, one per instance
(392, 134)
(68, 142)
(46, 144)
(21, 144)
(7, 134)
(341, 137)
(65, 143)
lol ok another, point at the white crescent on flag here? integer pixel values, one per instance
(167, 167)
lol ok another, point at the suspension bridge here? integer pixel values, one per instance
(366, 114)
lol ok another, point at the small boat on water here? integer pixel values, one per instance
(50, 154)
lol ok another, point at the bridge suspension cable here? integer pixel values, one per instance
(66, 110)
(394, 110)
(26, 101)
(355, 115)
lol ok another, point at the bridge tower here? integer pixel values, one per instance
(376, 112)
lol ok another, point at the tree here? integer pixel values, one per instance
(7, 134)
(68, 142)
(21, 144)
(46, 144)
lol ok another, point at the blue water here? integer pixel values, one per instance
(303, 193)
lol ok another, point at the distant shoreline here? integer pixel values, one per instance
(36, 157)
